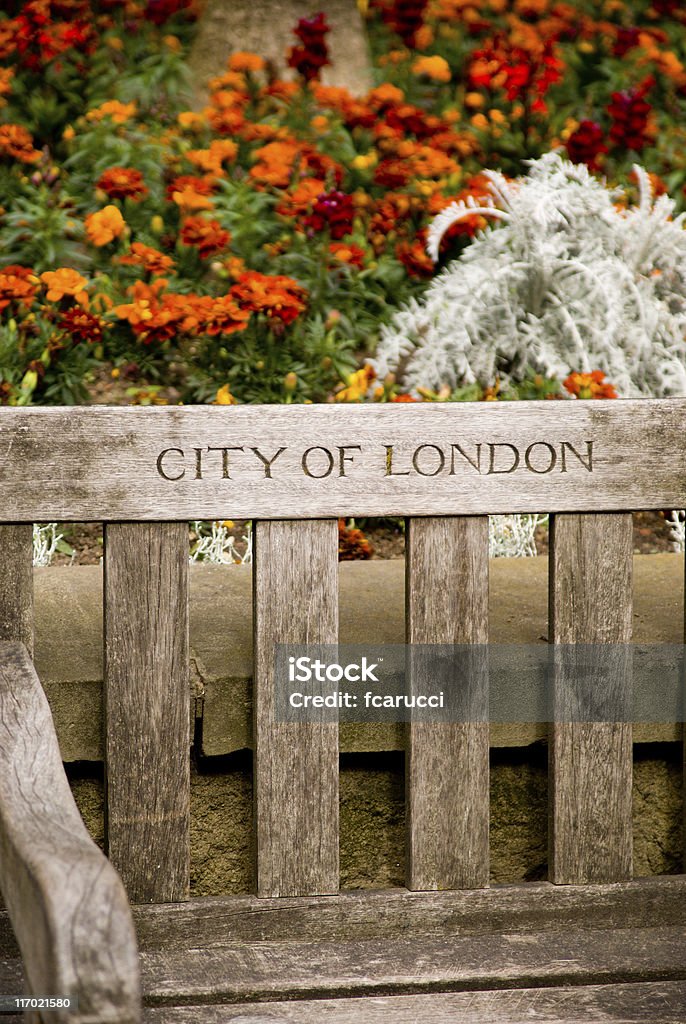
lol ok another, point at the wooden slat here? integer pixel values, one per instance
(16, 583)
(527, 908)
(637, 1003)
(447, 770)
(590, 832)
(67, 905)
(296, 764)
(147, 693)
(413, 964)
(329, 460)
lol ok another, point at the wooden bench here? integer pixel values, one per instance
(589, 945)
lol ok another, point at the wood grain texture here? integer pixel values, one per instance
(447, 775)
(295, 594)
(413, 964)
(637, 1003)
(104, 463)
(590, 831)
(146, 694)
(67, 904)
(16, 584)
(525, 909)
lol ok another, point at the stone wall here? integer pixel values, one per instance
(69, 660)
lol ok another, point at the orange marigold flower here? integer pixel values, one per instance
(190, 120)
(191, 193)
(105, 225)
(6, 75)
(348, 253)
(151, 260)
(212, 159)
(436, 68)
(207, 315)
(122, 183)
(17, 284)
(277, 296)
(118, 113)
(244, 60)
(589, 385)
(15, 141)
(414, 258)
(207, 236)
(81, 325)
(65, 282)
(352, 543)
(300, 199)
(153, 317)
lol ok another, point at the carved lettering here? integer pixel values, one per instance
(343, 458)
(267, 463)
(587, 463)
(552, 457)
(160, 467)
(225, 459)
(491, 461)
(306, 469)
(389, 463)
(439, 466)
(476, 465)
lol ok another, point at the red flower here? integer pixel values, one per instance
(629, 112)
(82, 325)
(309, 58)
(405, 17)
(333, 210)
(585, 145)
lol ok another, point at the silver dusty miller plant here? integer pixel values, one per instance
(573, 278)
(566, 281)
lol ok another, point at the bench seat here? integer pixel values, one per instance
(516, 953)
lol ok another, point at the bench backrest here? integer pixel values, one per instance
(293, 470)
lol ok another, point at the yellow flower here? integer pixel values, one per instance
(497, 116)
(65, 281)
(191, 121)
(479, 121)
(68, 133)
(224, 396)
(435, 68)
(105, 225)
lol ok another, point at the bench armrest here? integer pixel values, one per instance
(66, 902)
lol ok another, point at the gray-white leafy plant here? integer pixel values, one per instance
(572, 277)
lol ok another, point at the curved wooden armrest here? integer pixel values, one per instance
(66, 902)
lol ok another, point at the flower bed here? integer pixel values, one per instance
(254, 250)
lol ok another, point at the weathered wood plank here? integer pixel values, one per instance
(402, 965)
(447, 775)
(67, 904)
(590, 831)
(146, 693)
(16, 584)
(532, 907)
(329, 460)
(295, 595)
(637, 1003)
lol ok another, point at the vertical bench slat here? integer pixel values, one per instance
(447, 771)
(147, 742)
(590, 831)
(16, 583)
(296, 764)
